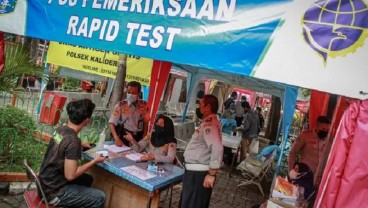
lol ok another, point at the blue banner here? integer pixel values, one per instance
(227, 35)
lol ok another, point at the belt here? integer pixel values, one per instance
(196, 167)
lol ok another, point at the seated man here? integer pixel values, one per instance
(64, 182)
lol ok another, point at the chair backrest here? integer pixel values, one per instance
(267, 164)
(34, 178)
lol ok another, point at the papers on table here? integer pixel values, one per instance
(138, 172)
(134, 156)
(115, 149)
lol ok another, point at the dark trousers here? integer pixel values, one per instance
(193, 194)
(239, 121)
(83, 180)
(77, 193)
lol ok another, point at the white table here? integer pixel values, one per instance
(232, 142)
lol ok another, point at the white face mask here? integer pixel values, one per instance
(131, 98)
(293, 174)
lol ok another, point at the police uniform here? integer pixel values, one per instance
(203, 152)
(132, 116)
(166, 153)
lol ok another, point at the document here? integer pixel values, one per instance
(115, 149)
(134, 156)
(138, 172)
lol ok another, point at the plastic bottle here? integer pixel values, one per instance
(100, 144)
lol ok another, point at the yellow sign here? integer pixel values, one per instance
(99, 62)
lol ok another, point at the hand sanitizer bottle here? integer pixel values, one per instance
(100, 144)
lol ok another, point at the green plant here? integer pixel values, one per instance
(71, 83)
(17, 64)
(91, 136)
(17, 130)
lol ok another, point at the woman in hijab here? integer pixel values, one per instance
(301, 175)
(160, 144)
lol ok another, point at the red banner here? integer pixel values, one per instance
(318, 106)
(159, 76)
(2, 51)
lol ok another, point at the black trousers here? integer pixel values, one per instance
(83, 180)
(193, 194)
(239, 120)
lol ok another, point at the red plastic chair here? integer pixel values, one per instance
(34, 198)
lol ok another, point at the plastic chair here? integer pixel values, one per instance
(34, 197)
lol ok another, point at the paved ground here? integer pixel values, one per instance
(223, 195)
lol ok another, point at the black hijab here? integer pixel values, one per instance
(159, 139)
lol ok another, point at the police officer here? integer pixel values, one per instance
(203, 156)
(132, 113)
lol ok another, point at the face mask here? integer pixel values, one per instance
(233, 111)
(293, 174)
(322, 134)
(198, 113)
(159, 129)
(131, 98)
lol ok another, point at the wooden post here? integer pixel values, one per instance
(14, 99)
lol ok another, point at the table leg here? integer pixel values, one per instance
(149, 200)
(235, 155)
(232, 165)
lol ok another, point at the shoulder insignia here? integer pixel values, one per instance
(116, 114)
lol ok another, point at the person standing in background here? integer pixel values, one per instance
(249, 130)
(260, 118)
(310, 146)
(239, 111)
(230, 100)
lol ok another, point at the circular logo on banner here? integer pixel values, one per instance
(7, 6)
(335, 28)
